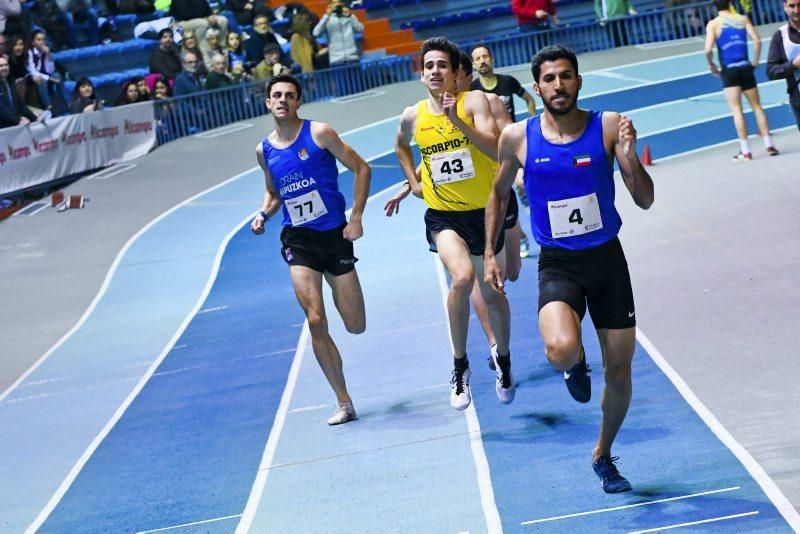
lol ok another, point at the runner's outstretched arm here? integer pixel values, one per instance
(271, 202)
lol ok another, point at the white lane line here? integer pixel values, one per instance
(309, 408)
(490, 511)
(206, 521)
(623, 507)
(620, 76)
(359, 96)
(107, 281)
(112, 171)
(211, 134)
(216, 308)
(723, 143)
(76, 469)
(756, 471)
(668, 44)
(711, 118)
(679, 525)
(256, 492)
(33, 209)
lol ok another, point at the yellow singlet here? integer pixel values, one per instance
(456, 175)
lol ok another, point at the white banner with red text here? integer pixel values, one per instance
(41, 152)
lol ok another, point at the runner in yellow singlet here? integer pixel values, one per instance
(457, 137)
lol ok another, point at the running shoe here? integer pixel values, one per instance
(742, 156)
(460, 397)
(772, 151)
(524, 248)
(612, 481)
(492, 350)
(504, 386)
(344, 413)
(579, 383)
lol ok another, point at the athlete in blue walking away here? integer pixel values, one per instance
(729, 32)
(299, 163)
(567, 154)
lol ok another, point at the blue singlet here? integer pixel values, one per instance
(571, 188)
(307, 180)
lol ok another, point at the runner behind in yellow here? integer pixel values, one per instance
(456, 175)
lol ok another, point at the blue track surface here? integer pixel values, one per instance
(188, 447)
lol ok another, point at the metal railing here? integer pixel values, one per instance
(186, 115)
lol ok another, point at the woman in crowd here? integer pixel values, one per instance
(42, 69)
(211, 46)
(237, 56)
(141, 85)
(304, 48)
(128, 95)
(84, 98)
(17, 58)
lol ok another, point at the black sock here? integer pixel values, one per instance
(461, 363)
(504, 361)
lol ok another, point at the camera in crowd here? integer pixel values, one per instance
(339, 9)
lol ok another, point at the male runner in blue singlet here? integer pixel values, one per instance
(568, 155)
(729, 32)
(299, 163)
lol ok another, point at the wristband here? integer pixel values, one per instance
(264, 215)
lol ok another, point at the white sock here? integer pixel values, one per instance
(767, 141)
(744, 146)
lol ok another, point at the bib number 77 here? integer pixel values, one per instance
(305, 208)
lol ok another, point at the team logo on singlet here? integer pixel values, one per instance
(584, 160)
(302, 154)
(446, 129)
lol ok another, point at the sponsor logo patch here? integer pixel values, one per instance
(584, 160)
(302, 154)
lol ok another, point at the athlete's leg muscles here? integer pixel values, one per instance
(560, 328)
(496, 304)
(479, 305)
(513, 259)
(755, 102)
(308, 289)
(734, 97)
(454, 253)
(349, 300)
(617, 347)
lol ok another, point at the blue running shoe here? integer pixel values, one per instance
(612, 481)
(579, 383)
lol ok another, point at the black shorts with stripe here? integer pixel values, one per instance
(322, 251)
(469, 225)
(512, 212)
(743, 77)
(596, 278)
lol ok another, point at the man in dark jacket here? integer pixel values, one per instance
(783, 59)
(165, 59)
(13, 111)
(196, 15)
(262, 36)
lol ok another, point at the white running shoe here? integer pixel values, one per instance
(504, 386)
(344, 413)
(460, 397)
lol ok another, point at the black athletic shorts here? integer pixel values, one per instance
(743, 77)
(469, 225)
(597, 276)
(512, 212)
(319, 250)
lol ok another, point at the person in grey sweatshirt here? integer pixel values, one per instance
(340, 25)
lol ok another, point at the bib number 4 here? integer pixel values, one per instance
(574, 216)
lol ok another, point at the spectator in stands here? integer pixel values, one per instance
(534, 13)
(211, 45)
(197, 15)
(610, 13)
(165, 59)
(261, 37)
(128, 95)
(8, 8)
(245, 10)
(42, 69)
(503, 85)
(140, 7)
(237, 56)
(270, 66)
(188, 82)
(161, 90)
(80, 12)
(13, 110)
(2, 43)
(84, 98)
(218, 77)
(191, 44)
(341, 27)
(18, 60)
(141, 85)
(305, 50)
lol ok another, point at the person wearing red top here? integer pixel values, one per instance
(534, 11)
